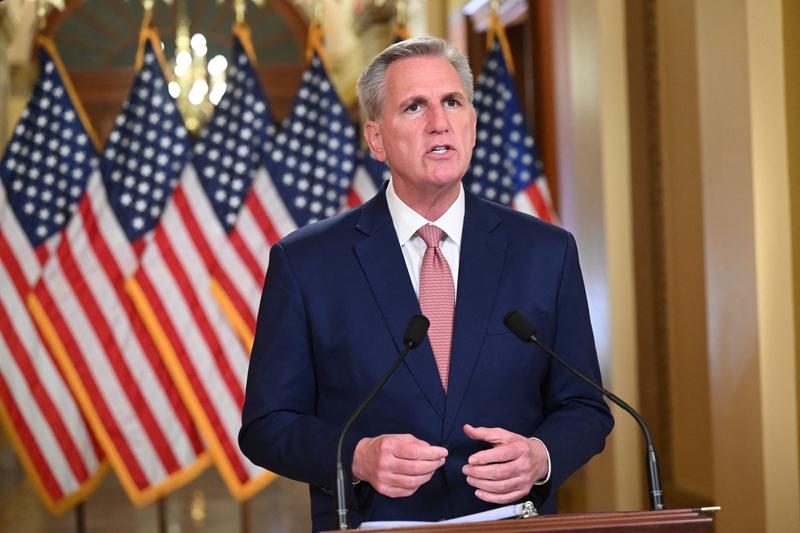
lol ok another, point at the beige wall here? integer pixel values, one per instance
(596, 207)
(792, 86)
(727, 100)
(684, 283)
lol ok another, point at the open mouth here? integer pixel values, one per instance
(441, 148)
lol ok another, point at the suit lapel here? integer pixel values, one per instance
(384, 267)
(481, 263)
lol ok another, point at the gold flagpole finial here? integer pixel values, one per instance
(402, 12)
(240, 9)
(319, 12)
(43, 8)
(400, 30)
(496, 30)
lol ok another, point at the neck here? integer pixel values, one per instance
(430, 203)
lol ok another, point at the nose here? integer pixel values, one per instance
(438, 121)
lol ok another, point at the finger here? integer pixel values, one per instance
(500, 498)
(504, 486)
(418, 451)
(397, 485)
(414, 467)
(492, 435)
(498, 471)
(500, 454)
(404, 482)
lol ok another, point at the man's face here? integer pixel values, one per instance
(427, 131)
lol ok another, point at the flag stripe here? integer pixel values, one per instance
(77, 311)
(30, 374)
(159, 420)
(363, 188)
(46, 468)
(192, 239)
(166, 300)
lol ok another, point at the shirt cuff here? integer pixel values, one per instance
(547, 477)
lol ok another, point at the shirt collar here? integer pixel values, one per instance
(407, 221)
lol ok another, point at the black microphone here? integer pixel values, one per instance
(415, 333)
(526, 331)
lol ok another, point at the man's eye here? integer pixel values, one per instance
(451, 102)
(413, 107)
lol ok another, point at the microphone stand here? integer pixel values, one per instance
(415, 332)
(526, 331)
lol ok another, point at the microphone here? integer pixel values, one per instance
(414, 335)
(519, 326)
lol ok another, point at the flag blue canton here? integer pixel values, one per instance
(229, 150)
(146, 151)
(49, 157)
(312, 159)
(505, 159)
(378, 171)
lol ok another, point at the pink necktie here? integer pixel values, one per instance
(437, 298)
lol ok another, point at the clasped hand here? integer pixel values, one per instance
(397, 465)
(507, 471)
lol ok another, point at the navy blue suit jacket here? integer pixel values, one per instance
(336, 300)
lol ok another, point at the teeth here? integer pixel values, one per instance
(439, 149)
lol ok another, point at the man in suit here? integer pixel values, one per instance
(473, 418)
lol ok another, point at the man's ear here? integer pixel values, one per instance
(372, 133)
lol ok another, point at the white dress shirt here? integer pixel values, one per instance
(406, 223)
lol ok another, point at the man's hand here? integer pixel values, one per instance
(396, 465)
(507, 471)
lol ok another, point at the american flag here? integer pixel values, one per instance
(370, 177)
(44, 172)
(173, 286)
(80, 302)
(505, 165)
(307, 176)
(313, 158)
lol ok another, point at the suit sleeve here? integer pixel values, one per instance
(280, 430)
(577, 418)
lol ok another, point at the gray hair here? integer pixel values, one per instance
(372, 82)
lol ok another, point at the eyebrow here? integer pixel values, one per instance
(419, 99)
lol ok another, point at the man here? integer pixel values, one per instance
(473, 418)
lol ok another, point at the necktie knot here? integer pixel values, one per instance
(431, 235)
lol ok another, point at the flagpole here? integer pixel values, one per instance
(80, 518)
(161, 510)
(244, 516)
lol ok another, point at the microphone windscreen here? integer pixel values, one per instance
(519, 325)
(415, 331)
